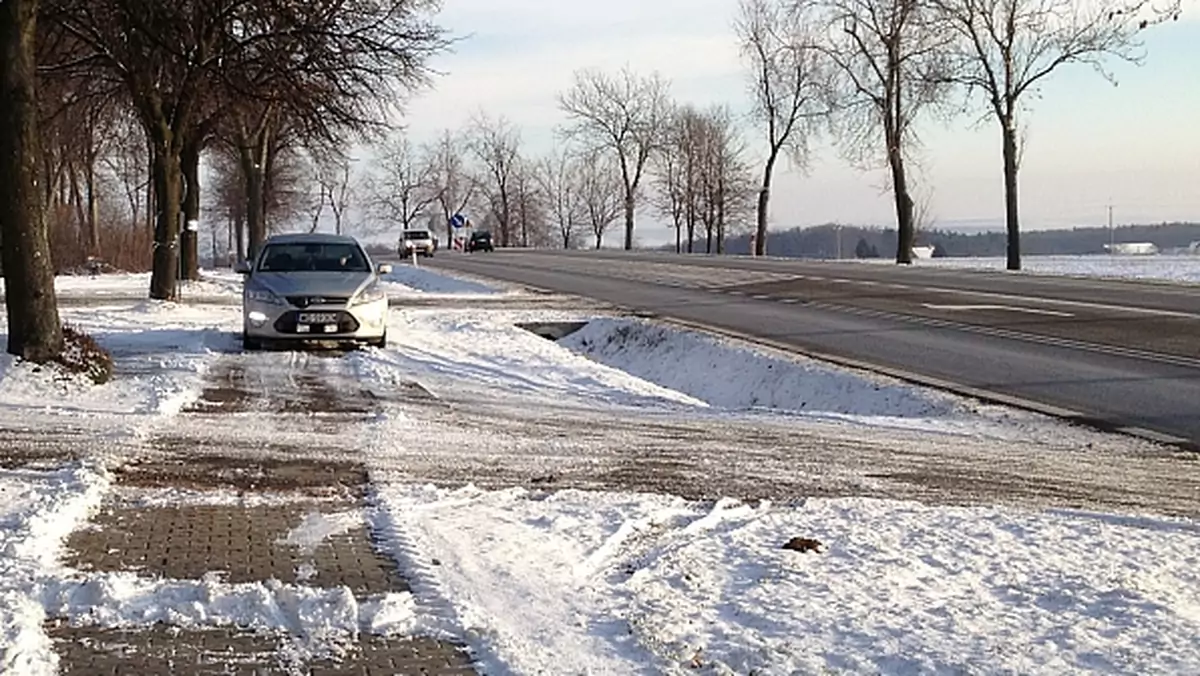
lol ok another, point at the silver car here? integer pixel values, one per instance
(313, 288)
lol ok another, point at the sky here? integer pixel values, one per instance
(1090, 144)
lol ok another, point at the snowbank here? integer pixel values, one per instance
(481, 350)
(734, 376)
(37, 512)
(580, 582)
(423, 280)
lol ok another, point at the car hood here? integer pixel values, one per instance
(312, 283)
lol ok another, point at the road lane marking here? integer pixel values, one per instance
(1004, 308)
(1062, 302)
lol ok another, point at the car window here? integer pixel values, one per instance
(416, 234)
(313, 257)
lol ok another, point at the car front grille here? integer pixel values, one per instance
(306, 301)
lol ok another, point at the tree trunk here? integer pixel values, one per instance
(764, 204)
(168, 189)
(239, 230)
(189, 158)
(81, 219)
(93, 205)
(34, 328)
(721, 221)
(1012, 214)
(256, 226)
(904, 203)
(630, 203)
(150, 205)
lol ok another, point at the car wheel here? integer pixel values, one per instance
(250, 344)
(380, 342)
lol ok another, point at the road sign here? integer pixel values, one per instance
(458, 220)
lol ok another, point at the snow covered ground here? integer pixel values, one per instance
(554, 579)
(1169, 268)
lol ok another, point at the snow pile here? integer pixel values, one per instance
(580, 582)
(37, 512)
(160, 350)
(319, 619)
(739, 376)
(405, 277)
(486, 351)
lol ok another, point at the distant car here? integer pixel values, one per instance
(480, 241)
(313, 288)
(420, 241)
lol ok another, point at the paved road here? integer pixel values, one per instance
(1119, 354)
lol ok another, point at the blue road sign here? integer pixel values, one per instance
(458, 220)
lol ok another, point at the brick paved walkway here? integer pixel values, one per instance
(244, 542)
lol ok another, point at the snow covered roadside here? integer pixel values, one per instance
(575, 582)
(740, 378)
(408, 278)
(484, 351)
(736, 376)
(37, 511)
(161, 352)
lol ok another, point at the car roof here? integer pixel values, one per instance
(310, 238)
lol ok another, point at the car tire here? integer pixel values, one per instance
(250, 344)
(380, 342)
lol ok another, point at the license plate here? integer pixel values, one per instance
(317, 318)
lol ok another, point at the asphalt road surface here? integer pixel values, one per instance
(1117, 354)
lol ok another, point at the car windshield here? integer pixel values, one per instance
(416, 234)
(313, 257)
(482, 235)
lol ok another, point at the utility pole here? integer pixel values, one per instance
(1112, 235)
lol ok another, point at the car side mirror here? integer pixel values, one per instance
(385, 268)
(242, 267)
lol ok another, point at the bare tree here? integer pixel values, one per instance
(790, 85)
(1006, 48)
(401, 189)
(334, 176)
(888, 56)
(453, 184)
(317, 202)
(669, 196)
(496, 144)
(622, 116)
(34, 328)
(529, 206)
(601, 193)
(559, 178)
(725, 178)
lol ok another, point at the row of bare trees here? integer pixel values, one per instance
(104, 99)
(625, 139)
(869, 70)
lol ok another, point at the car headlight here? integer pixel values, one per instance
(370, 294)
(263, 296)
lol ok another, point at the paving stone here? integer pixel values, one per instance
(244, 543)
(90, 651)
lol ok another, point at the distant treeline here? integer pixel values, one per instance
(859, 242)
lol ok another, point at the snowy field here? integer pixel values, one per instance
(1167, 268)
(554, 579)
